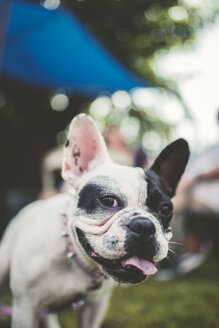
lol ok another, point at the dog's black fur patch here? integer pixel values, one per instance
(67, 143)
(171, 164)
(161, 180)
(157, 196)
(113, 267)
(94, 190)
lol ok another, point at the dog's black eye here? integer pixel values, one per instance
(109, 201)
(165, 209)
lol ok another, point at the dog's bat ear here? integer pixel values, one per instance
(171, 164)
(84, 149)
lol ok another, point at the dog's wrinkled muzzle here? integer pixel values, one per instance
(124, 244)
(89, 226)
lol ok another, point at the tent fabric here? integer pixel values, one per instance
(53, 49)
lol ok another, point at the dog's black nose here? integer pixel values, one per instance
(145, 228)
(141, 237)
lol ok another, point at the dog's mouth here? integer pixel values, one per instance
(128, 269)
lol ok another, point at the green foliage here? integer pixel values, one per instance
(134, 30)
(191, 301)
(140, 126)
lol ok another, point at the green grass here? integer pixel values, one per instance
(191, 301)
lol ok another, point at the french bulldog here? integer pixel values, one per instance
(113, 227)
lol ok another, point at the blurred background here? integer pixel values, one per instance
(147, 71)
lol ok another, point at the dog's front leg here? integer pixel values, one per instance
(92, 314)
(51, 321)
(24, 314)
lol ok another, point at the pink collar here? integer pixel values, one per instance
(65, 233)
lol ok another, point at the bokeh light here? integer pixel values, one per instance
(144, 97)
(100, 107)
(151, 141)
(194, 71)
(121, 99)
(154, 13)
(59, 102)
(164, 104)
(129, 129)
(61, 137)
(194, 3)
(51, 4)
(178, 13)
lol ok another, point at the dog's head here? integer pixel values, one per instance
(122, 214)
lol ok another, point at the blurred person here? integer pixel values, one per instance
(141, 158)
(196, 223)
(122, 153)
(51, 173)
(119, 151)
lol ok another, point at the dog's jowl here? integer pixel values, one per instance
(70, 251)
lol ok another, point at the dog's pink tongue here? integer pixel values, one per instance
(146, 267)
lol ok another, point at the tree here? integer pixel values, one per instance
(134, 30)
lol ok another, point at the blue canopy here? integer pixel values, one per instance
(53, 49)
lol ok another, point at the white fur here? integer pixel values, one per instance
(40, 272)
(132, 184)
(34, 253)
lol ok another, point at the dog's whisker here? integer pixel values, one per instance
(170, 260)
(172, 252)
(176, 243)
